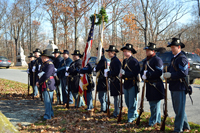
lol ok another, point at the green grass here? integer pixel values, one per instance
(197, 81)
(11, 87)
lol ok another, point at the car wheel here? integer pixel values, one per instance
(7, 67)
(192, 81)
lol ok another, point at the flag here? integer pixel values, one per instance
(101, 42)
(83, 83)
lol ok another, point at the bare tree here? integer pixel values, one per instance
(158, 16)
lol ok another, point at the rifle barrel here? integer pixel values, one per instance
(120, 113)
(165, 111)
(142, 101)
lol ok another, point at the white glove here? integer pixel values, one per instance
(105, 72)
(81, 75)
(39, 67)
(55, 69)
(33, 69)
(27, 71)
(122, 71)
(94, 69)
(145, 72)
(67, 68)
(55, 74)
(40, 74)
(66, 74)
(167, 75)
(144, 77)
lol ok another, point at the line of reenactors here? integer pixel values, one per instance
(49, 73)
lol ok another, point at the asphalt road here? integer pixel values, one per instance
(192, 111)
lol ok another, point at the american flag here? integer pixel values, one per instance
(83, 83)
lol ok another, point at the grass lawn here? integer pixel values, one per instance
(79, 120)
(197, 81)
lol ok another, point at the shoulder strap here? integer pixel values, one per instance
(174, 60)
(126, 65)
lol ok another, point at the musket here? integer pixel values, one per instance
(108, 109)
(67, 83)
(162, 128)
(28, 83)
(120, 113)
(142, 101)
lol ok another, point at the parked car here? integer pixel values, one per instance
(92, 61)
(193, 63)
(4, 62)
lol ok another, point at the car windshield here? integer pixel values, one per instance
(166, 57)
(108, 60)
(92, 59)
(193, 57)
(3, 58)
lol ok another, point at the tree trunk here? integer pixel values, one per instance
(54, 31)
(66, 32)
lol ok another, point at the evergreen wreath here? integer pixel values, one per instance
(102, 13)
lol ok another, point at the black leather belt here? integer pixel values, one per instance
(152, 81)
(173, 79)
(129, 79)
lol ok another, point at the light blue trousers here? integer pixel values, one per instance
(65, 92)
(59, 98)
(116, 106)
(48, 104)
(35, 90)
(81, 101)
(131, 103)
(155, 112)
(89, 101)
(103, 99)
(178, 102)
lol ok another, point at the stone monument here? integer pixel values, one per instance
(51, 46)
(21, 57)
(6, 126)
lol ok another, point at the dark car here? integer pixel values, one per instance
(4, 62)
(193, 63)
(92, 61)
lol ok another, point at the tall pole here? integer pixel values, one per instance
(30, 22)
(76, 21)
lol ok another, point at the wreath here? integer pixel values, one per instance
(102, 13)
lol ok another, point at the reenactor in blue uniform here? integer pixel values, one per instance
(30, 66)
(178, 70)
(73, 71)
(90, 87)
(154, 84)
(46, 83)
(101, 84)
(129, 72)
(36, 69)
(56, 63)
(113, 74)
(63, 79)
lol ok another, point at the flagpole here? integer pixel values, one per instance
(100, 46)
